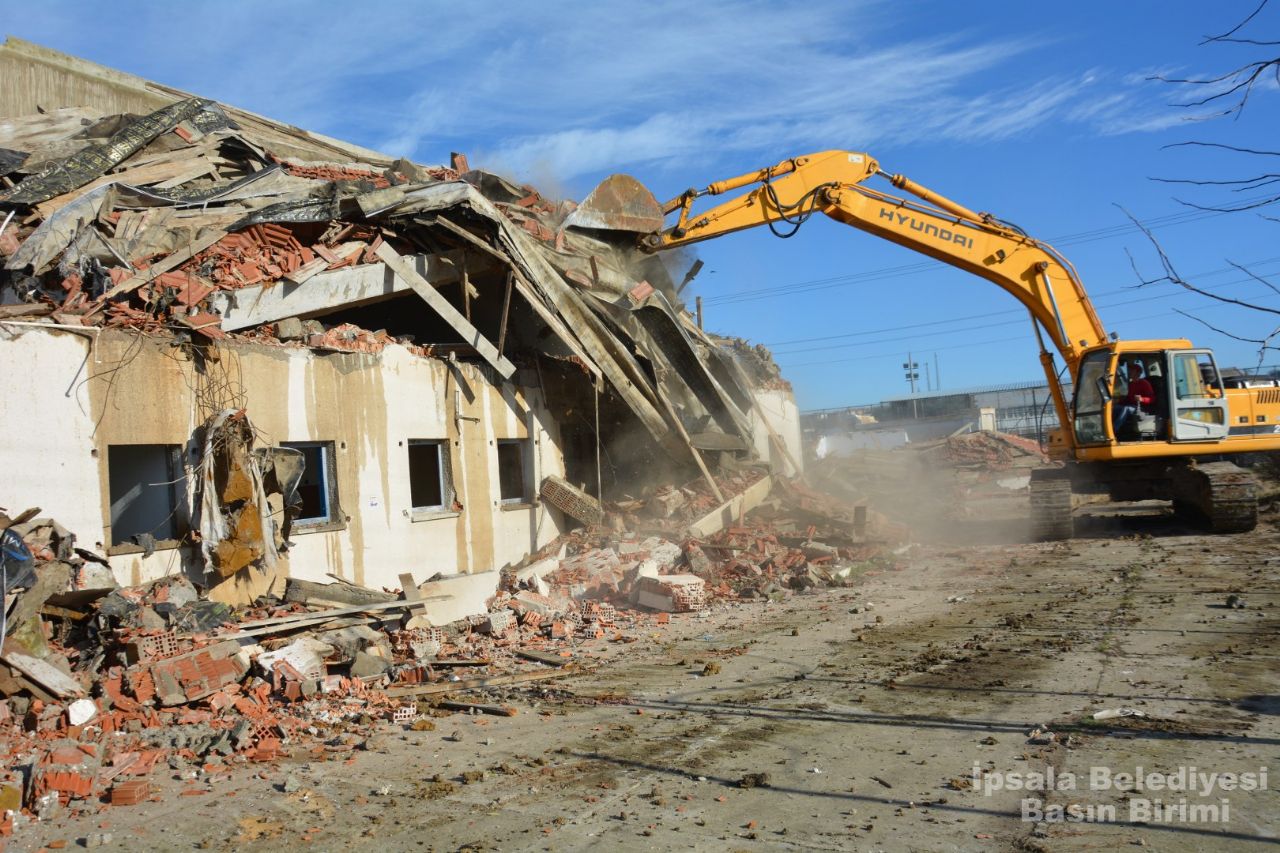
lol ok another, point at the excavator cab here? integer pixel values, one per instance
(1136, 395)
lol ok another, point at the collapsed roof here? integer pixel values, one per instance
(195, 221)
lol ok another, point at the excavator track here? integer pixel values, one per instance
(1051, 505)
(1219, 494)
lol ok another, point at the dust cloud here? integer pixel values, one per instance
(965, 490)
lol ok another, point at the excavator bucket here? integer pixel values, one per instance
(619, 203)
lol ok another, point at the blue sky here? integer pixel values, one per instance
(1040, 113)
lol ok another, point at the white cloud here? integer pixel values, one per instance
(584, 150)
(568, 88)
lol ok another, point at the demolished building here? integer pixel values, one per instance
(298, 433)
(247, 352)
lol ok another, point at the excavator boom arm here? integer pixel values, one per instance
(831, 182)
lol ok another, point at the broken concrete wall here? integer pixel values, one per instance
(775, 409)
(48, 448)
(147, 391)
(229, 265)
(39, 79)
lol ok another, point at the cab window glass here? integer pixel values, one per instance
(1089, 400)
(1191, 374)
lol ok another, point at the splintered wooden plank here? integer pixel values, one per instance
(475, 708)
(159, 267)
(543, 657)
(447, 312)
(411, 593)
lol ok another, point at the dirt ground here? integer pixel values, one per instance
(845, 719)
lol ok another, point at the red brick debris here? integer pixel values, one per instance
(160, 677)
(246, 216)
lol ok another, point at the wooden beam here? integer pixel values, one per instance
(466, 296)
(506, 307)
(447, 312)
(62, 613)
(8, 312)
(470, 238)
(684, 436)
(249, 629)
(543, 657)
(472, 707)
(459, 662)
(159, 267)
(411, 594)
(333, 290)
(371, 607)
(321, 595)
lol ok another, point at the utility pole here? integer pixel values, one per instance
(937, 372)
(912, 369)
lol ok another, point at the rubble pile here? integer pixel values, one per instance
(206, 228)
(984, 452)
(104, 684)
(183, 222)
(757, 361)
(797, 539)
(670, 508)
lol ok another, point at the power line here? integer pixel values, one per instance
(988, 325)
(1223, 270)
(969, 344)
(1076, 239)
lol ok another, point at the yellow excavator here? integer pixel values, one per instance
(1147, 419)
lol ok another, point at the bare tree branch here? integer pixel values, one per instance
(1171, 274)
(1230, 92)
(1263, 342)
(1238, 83)
(1133, 265)
(1238, 26)
(1255, 42)
(1243, 183)
(1222, 146)
(1253, 275)
(1237, 209)
(1246, 77)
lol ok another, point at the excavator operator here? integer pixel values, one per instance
(1140, 396)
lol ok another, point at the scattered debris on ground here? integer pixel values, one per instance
(105, 684)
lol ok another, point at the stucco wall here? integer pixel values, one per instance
(147, 391)
(47, 451)
(779, 408)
